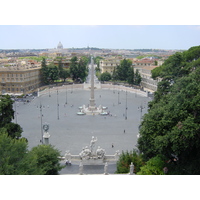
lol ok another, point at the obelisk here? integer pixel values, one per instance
(92, 100)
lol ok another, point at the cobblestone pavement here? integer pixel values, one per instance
(72, 132)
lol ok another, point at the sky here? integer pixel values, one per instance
(109, 24)
(100, 36)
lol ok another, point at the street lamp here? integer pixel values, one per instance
(126, 107)
(49, 92)
(141, 108)
(15, 112)
(41, 115)
(72, 88)
(66, 95)
(118, 97)
(57, 104)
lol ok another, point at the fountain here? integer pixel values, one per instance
(91, 156)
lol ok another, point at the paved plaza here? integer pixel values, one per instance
(72, 132)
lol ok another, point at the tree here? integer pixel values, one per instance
(123, 69)
(60, 67)
(171, 127)
(64, 74)
(78, 69)
(6, 117)
(137, 77)
(114, 75)
(53, 73)
(74, 67)
(6, 110)
(125, 159)
(15, 158)
(131, 76)
(106, 76)
(82, 69)
(47, 159)
(97, 62)
(44, 70)
(13, 130)
(154, 166)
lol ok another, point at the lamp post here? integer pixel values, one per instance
(49, 92)
(126, 107)
(15, 112)
(141, 108)
(57, 104)
(41, 121)
(72, 88)
(118, 96)
(66, 95)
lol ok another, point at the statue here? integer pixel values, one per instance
(117, 154)
(131, 169)
(100, 152)
(92, 143)
(46, 134)
(85, 153)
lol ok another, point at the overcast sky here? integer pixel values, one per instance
(101, 36)
(102, 24)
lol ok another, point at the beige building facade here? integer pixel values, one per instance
(108, 65)
(18, 80)
(147, 82)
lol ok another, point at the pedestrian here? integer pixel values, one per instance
(124, 131)
(112, 145)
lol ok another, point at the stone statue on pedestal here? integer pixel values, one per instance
(92, 143)
(100, 153)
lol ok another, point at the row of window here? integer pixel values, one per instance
(36, 73)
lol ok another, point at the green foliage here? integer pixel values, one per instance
(97, 61)
(156, 72)
(106, 76)
(37, 58)
(125, 159)
(123, 69)
(78, 69)
(6, 117)
(14, 157)
(6, 110)
(53, 73)
(154, 166)
(64, 74)
(47, 159)
(125, 72)
(44, 72)
(172, 125)
(13, 130)
(131, 76)
(114, 75)
(137, 77)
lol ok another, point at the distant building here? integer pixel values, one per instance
(109, 64)
(18, 79)
(60, 46)
(147, 82)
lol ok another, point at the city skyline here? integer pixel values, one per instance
(100, 36)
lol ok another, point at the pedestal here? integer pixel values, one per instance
(46, 137)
